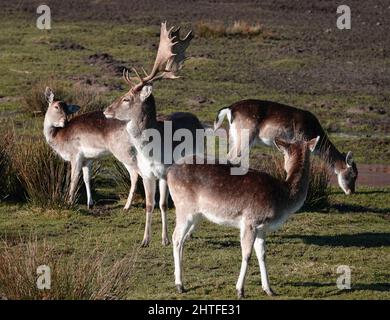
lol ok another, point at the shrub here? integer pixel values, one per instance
(244, 28)
(44, 176)
(10, 186)
(87, 98)
(87, 275)
(239, 28)
(34, 101)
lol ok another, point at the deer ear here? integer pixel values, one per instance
(72, 108)
(146, 92)
(49, 95)
(281, 145)
(313, 143)
(349, 159)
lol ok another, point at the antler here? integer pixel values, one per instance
(170, 57)
(126, 77)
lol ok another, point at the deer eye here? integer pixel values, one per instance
(126, 99)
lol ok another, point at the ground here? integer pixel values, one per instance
(302, 257)
(300, 59)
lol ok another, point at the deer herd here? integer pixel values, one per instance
(255, 202)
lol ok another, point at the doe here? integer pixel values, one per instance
(210, 191)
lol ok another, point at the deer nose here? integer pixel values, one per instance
(61, 123)
(108, 113)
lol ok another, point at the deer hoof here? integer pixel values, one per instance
(145, 243)
(165, 242)
(270, 292)
(180, 288)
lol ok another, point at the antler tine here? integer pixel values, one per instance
(176, 33)
(143, 70)
(137, 74)
(179, 50)
(125, 75)
(170, 56)
(164, 52)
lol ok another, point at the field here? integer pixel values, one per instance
(294, 55)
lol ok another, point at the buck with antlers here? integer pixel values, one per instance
(84, 138)
(265, 121)
(210, 191)
(138, 108)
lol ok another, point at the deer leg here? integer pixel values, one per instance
(163, 188)
(150, 191)
(237, 138)
(260, 253)
(76, 165)
(234, 142)
(248, 235)
(134, 178)
(183, 224)
(86, 177)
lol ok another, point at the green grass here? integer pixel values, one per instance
(28, 56)
(302, 256)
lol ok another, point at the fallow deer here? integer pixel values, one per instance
(210, 191)
(138, 108)
(267, 120)
(84, 138)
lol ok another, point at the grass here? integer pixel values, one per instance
(40, 174)
(38, 55)
(84, 275)
(10, 186)
(43, 175)
(302, 256)
(319, 181)
(219, 29)
(34, 101)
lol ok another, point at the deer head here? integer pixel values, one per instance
(347, 174)
(169, 60)
(57, 111)
(294, 151)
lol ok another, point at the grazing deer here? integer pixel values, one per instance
(267, 120)
(210, 191)
(138, 108)
(84, 138)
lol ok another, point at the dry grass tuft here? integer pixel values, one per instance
(10, 186)
(239, 28)
(123, 182)
(44, 176)
(319, 187)
(34, 101)
(90, 275)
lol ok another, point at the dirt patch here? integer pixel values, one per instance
(95, 83)
(108, 62)
(67, 45)
(198, 102)
(333, 61)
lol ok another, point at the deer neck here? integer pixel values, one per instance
(298, 181)
(332, 155)
(144, 118)
(49, 131)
